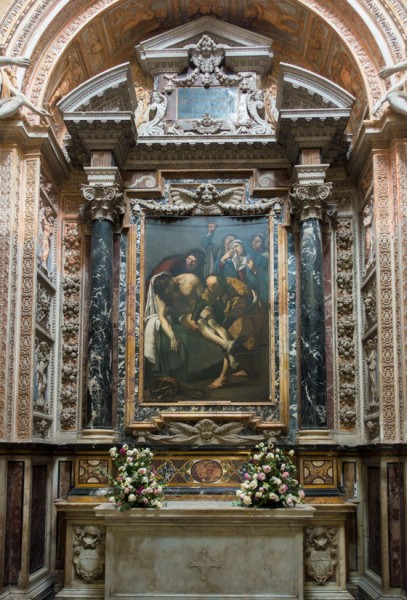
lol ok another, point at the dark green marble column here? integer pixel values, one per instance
(103, 205)
(308, 202)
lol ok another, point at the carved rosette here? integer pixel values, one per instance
(71, 289)
(346, 323)
(320, 553)
(88, 554)
(103, 202)
(308, 201)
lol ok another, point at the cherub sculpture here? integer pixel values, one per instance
(395, 96)
(206, 200)
(11, 99)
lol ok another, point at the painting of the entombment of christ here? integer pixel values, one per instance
(206, 310)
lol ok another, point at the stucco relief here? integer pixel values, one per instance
(88, 555)
(346, 322)
(384, 259)
(71, 291)
(26, 339)
(6, 159)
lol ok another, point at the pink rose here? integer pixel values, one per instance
(246, 476)
(283, 488)
(285, 474)
(262, 476)
(267, 468)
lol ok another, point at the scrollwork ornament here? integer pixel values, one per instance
(102, 202)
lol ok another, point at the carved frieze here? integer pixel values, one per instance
(88, 555)
(345, 323)
(387, 360)
(320, 553)
(6, 159)
(27, 287)
(71, 291)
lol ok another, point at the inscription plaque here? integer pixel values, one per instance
(193, 103)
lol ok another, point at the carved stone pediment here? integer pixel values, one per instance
(170, 51)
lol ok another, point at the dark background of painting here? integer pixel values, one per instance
(165, 237)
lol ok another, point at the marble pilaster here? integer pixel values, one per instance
(308, 200)
(104, 204)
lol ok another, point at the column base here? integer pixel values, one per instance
(106, 436)
(314, 436)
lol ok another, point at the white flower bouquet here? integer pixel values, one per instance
(136, 483)
(269, 480)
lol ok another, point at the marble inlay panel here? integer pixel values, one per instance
(373, 517)
(396, 525)
(14, 521)
(38, 517)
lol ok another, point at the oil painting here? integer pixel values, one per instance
(207, 334)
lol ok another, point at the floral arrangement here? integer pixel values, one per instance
(136, 483)
(269, 480)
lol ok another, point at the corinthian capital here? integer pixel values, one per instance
(308, 201)
(102, 202)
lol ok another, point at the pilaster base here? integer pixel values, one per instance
(314, 436)
(103, 436)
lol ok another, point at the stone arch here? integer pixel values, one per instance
(46, 32)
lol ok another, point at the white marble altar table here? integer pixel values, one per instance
(204, 550)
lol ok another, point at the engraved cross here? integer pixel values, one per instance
(204, 562)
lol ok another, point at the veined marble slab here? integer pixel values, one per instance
(204, 550)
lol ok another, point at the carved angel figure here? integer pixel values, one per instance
(206, 56)
(156, 114)
(11, 99)
(206, 432)
(395, 96)
(206, 200)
